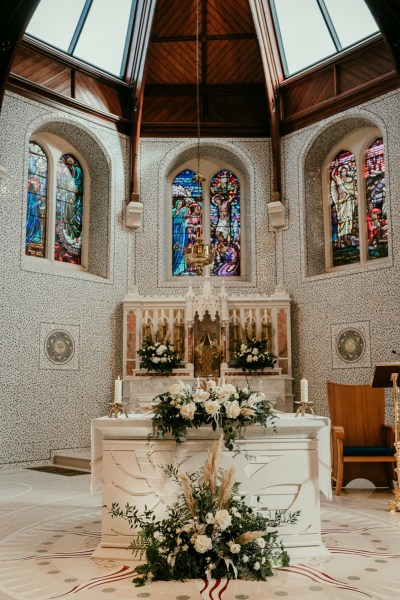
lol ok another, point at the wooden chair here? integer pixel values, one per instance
(358, 435)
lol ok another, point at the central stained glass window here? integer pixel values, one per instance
(218, 219)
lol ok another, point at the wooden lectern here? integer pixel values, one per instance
(386, 375)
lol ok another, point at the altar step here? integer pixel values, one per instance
(80, 462)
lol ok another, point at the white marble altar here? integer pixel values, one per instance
(285, 470)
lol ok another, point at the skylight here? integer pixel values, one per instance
(310, 31)
(95, 31)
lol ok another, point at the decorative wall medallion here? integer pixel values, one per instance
(351, 345)
(59, 347)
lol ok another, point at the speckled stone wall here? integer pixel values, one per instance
(46, 406)
(326, 303)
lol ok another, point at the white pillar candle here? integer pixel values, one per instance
(118, 391)
(198, 382)
(304, 390)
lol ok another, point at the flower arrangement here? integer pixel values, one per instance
(211, 532)
(253, 357)
(220, 404)
(158, 356)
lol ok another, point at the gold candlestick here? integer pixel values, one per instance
(116, 409)
(394, 505)
(303, 408)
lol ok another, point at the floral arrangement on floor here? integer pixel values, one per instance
(253, 356)
(158, 356)
(210, 532)
(219, 404)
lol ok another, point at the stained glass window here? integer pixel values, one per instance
(375, 192)
(36, 218)
(225, 223)
(69, 205)
(344, 209)
(187, 215)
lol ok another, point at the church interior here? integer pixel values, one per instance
(199, 193)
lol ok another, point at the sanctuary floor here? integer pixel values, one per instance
(50, 524)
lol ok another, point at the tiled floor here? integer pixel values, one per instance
(49, 526)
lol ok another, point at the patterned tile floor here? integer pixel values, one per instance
(49, 526)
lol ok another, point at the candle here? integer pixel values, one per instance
(198, 382)
(304, 390)
(118, 391)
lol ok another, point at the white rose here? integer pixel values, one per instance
(260, 542)
(263, 560)
(223, 519)
(255, 351)
(255, 358)
(161, 349)
(202, 543)
(210, 385)
(236, 395)
(200, 395)
(228, 387)
(235, 548)
(243, 348)
(158, 536)
(211, 406)
(163, 359)
(235, 512)
(187, 411)
(210, 518)
(245, 558)
(249, 358)
(155, 359)
(256, 566)
(175, 389)
(232, 409)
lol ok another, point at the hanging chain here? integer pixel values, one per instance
(198, 93)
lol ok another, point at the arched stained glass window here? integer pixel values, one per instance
(69, 205)
(187, 215)
(375, 194)
(344, 209)
(225, 223)
(36, 218)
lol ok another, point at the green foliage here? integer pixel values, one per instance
(158, 356)
(225, 407)
(207, 541)
(252, 357)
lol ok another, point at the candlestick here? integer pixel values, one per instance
(118, 391)
(304, 390)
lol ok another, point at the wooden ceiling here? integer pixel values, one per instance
(232, 93)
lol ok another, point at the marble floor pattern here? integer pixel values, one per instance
(50, 524)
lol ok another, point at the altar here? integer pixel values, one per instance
(286, 469)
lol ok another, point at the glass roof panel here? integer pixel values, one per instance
(102, 41)
(55, 21)
(352, 20)
(304, 34)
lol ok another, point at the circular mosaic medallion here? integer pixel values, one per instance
(59, 347)
(350, 345)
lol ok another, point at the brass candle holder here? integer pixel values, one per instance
(117, 408)
(303, 408)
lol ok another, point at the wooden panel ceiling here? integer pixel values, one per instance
(229, 55)
(42, 71)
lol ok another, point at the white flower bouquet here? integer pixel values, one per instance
(210, 532)
(253, 356)
(158, 356)
(221, 405)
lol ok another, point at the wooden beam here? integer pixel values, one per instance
(14, 18)
(273, 75)
(387, 15)
(136, 64)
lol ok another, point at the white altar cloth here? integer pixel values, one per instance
(139, 425)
